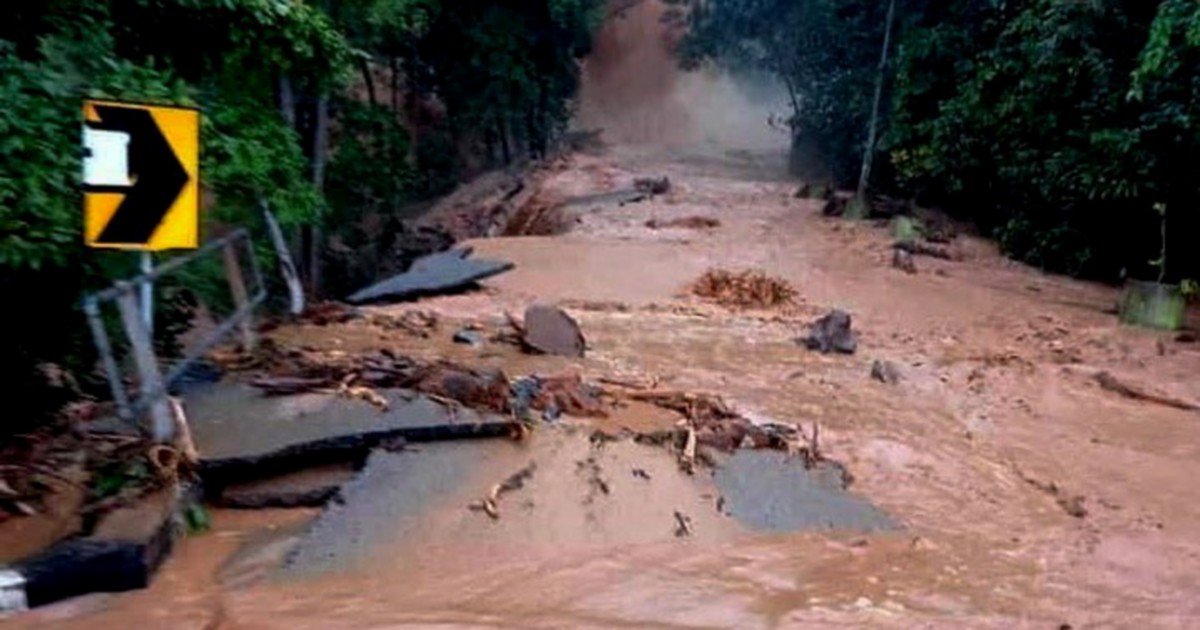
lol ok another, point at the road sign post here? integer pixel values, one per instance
(141, 183)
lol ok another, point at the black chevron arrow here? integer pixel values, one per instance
(158, 176)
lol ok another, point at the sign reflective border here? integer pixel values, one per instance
(141, 176)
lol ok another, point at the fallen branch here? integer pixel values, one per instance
(490, 504)
(616, 382)
(683, 525)
(1112, 384)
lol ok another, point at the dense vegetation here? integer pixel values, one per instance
(331, 111)
(1059, 126)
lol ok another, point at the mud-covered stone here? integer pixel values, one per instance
(469, 337)
(550, 330)
(902, 259)
(830, 334)
(885, 372)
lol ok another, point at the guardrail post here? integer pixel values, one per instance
(241, 299)
(153, 391)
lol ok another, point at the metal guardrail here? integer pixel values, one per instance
(154, 385)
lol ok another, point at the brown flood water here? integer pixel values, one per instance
(996, 403)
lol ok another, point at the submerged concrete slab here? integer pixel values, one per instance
(243, 435)
(443, 272)
(767, 490)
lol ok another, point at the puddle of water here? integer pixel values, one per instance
(767, 490)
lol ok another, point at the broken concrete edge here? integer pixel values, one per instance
(216, 474)
(314, 498)
(109, 560)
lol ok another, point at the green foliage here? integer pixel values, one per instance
(196, 518)
(250, 153)
(369, 172)
(469, 76)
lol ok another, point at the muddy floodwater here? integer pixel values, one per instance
(995, 485)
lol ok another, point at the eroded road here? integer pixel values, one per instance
(1026, 494)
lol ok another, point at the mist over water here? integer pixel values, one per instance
(634, 89)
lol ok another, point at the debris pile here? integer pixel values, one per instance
(743, 289)
(329, 313)
(298, 371)
(415, 323)
(918, 248)
(556, 395)
(687, 223)
(652, 185)
(711, 423)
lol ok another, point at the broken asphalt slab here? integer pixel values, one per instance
(392, 490)
(444, 272)
(242, 435)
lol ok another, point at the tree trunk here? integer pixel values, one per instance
(864, 178)
(369, 79)
(287, 101)
(395, 68)
(320, 158)
(290, 276)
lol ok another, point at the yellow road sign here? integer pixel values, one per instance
(141, 176)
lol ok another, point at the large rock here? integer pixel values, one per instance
(550, 330)
(831, 333)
